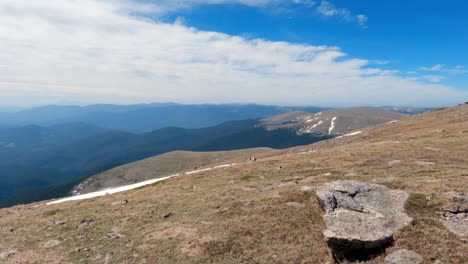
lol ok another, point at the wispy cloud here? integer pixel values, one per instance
(328, 9)
(433, 78)
(458, 69)
(101, 51)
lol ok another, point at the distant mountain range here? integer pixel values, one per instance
(144, 117)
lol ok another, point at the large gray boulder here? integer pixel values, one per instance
(360, 217)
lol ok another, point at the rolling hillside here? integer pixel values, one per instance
(257, 212)
(167, 164)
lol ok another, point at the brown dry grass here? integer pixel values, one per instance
(240, 214)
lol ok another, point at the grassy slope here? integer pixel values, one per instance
(167, 164)
(240, 214)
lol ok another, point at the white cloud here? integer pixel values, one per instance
(330, 10)
(100, 51)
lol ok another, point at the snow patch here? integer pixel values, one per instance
(392, 122)
(223, 166)
(316, 125)
(332, 125)
(111, 191)
(353, 134)
(309, 129)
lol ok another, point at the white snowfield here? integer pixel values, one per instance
(332, 125)
(130, 187)
(392, 122)
(110, 191)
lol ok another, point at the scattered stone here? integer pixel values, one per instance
(308, 189)
(404, 256)
(120, 203)
(296, 205)
(454, 216)
(460, 198)
(56, 222)
(7, 254)
(82, 249)
(51, 243)
(112, 236)
(360, 218)
(85, 223)
(438, 262)
(247, 202)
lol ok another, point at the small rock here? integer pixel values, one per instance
(394, 162)
(308, 189)
(460, 198)
(85, 223)
(51, 243)
(404, 256)
(454, 216)
(7, 254)
(56, 222)
(296, 205)
(82, 249)
(247, 202)
(112, 236)
(120, 203)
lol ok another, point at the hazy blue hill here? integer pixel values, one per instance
(144, 117)
(30, 138)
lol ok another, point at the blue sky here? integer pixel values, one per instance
(406, 35)
(289, 52)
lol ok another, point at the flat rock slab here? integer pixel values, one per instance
(404, 256)
(360, 217)
(454, 216)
